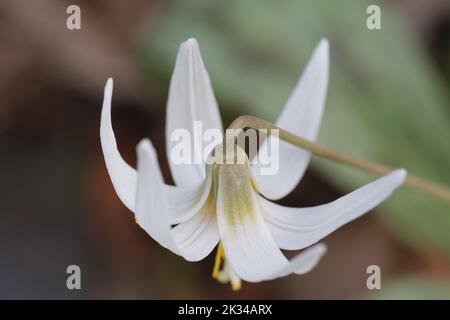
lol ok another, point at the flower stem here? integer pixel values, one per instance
(428, 187)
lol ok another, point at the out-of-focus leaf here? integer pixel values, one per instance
(385, 102)
(414, 288)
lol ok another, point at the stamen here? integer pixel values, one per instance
(236, 284)
(220, 255)
(226, 274)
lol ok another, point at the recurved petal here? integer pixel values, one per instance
(184, 202)
(302, 263)
(298, 228)
(123, 176)
(193, 239)
(249, 247)
(198, 236)
(191, 99)
(151, 202)
(301, 116)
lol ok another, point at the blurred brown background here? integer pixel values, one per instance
(58, 206)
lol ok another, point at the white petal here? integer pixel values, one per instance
(297, 228)
(193, 239)
(123, 176)
(302, 263)
(301, 116)
(185, 201)
(198, 236)
(248, 245)
(191, 98)
(151, 205)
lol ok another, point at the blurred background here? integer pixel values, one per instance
(388, 101)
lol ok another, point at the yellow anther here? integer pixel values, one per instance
(236, 284)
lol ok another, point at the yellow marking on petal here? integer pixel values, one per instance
(237, 193)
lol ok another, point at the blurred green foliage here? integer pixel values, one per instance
(386, 102)
(414, 288)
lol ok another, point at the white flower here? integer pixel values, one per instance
(226, 204)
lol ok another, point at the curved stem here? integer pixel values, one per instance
(415, 182)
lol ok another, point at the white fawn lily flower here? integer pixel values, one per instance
(225, 205)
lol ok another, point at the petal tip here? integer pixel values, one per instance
(106, 109)
(324, 43)
(191, 41)
(188, 52)
(400, 175)
(322, 49)
(321, 248)
(144, 145)
(189, 44)
(109, 84)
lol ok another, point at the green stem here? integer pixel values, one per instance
(428, 187)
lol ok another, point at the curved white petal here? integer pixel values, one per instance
(193, 239)
(301, 116)
(191, 99)
(185, 202)
(123, 176)
(302, 263)
(249, 247)
(297, 228)
(151, 205)
(198, 236)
